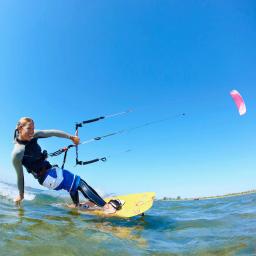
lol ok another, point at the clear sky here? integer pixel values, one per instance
(67, 61)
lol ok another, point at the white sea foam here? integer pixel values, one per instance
(10, 192)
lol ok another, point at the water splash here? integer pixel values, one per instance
(10, 192)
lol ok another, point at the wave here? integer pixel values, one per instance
(10, 192)
(38, 196)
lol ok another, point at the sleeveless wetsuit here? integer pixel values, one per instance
(30, 155)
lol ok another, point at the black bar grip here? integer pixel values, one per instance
(93, 120)
(88, 162)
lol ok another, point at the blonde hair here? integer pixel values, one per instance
(23, 121)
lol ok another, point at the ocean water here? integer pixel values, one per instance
(43, 226)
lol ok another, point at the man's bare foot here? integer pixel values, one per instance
(71, 206)
(113, 205)
(109, 209)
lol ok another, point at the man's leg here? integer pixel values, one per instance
(75, 198)
(90, 194)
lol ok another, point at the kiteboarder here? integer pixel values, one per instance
(28, 153)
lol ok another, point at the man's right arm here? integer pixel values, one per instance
(17, 156)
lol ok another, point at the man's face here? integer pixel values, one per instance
(27, 131)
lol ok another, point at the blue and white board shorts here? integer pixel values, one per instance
(57, 179)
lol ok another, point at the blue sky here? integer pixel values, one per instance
(67, 61)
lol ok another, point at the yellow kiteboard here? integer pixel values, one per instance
(134, 204)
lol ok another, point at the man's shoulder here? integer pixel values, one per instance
(18, 150)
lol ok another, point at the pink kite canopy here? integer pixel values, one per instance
(239, 101)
